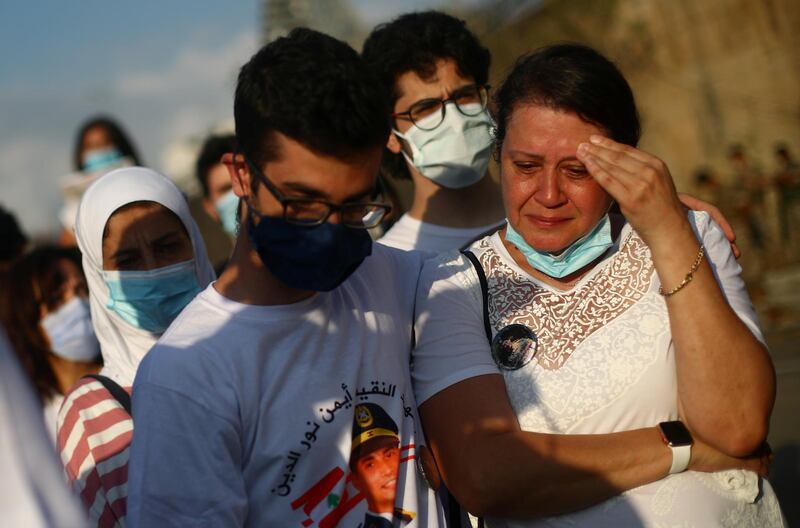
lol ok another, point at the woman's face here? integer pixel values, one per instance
(96, 138)
(549, 196)
(144, 236)
(74, 285)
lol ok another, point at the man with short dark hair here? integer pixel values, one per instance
(244, 409)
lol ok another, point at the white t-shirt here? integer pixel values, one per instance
(605, 363)
(248, 415)
(409, 233)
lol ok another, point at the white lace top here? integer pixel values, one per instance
(605, 363)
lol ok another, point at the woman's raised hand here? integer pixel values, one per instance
(640, 183)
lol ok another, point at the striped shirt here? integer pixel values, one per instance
(94, 436)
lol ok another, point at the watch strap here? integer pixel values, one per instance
(681, 455)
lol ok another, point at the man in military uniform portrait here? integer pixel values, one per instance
(374, 463)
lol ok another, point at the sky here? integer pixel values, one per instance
(164, 69)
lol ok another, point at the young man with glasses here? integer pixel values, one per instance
(245, 409)
(437, 72)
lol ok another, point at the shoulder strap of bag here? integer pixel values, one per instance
(484, 291)
(485, 294)
(119, 394)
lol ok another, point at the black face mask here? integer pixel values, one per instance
(316, 258)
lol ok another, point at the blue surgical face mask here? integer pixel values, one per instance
(583, 251)
(456, 153)
(101, 159)
(71, 333)
(151, 299)
(227, 206)
(309, 258)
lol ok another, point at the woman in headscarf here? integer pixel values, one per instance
(144, 260)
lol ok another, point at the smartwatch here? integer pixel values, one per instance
(679, 440)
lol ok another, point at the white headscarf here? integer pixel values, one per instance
(123, 346)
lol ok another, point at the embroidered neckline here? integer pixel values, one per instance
(562, 319)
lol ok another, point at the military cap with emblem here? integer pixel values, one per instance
(371, 423)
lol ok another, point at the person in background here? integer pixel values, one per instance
(217, 220)
(437, 72)
(45, 309)
(747, 195)
(144, 260)
(707, 186)
(787, 181)
(101, 145)
(244, 410)
(12, 240)
(579, 353)
(33, 493)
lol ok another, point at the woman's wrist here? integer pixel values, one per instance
(672, 240)
(668, 231)
(669, 292)
(678, 260)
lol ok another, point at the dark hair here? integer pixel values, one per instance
(736, 150)
(12, 239)
(702, 176)
(32, 281)
(314, 89)
(115, 133)
(369, 446)
(414, 43)
(782, 149)
(574, 78)
(210, 154)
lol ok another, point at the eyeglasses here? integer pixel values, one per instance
(311, 212)
(428, 114)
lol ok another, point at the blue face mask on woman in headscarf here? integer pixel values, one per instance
(152, 299)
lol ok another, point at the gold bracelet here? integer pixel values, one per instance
(689, 276)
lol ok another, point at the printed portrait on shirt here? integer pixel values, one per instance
(373, 480)
(375, 464)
